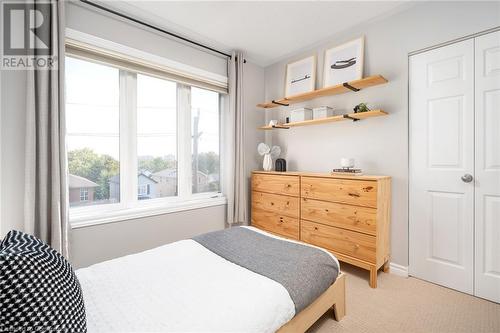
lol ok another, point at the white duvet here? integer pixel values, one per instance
(181, 287)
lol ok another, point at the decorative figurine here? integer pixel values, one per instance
(269, 154)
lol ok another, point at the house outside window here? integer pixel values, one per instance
(81, 190)
(146, 188)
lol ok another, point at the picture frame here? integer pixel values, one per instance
(344, 63)
(300, 76)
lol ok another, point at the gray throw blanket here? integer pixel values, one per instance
(305, 272)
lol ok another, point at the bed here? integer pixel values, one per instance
(240, 279)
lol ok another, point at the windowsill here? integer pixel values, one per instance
(147, 210)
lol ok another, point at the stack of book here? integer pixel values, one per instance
(347, 171)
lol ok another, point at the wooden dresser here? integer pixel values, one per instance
(347, 215)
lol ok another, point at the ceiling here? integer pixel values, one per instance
(265, 31)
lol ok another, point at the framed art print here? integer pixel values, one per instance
(344, 63)
(300, 76)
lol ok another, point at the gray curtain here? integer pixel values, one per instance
(46, 194)
(236, 187)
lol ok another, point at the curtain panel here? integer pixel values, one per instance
(46, 213)
(237, 206)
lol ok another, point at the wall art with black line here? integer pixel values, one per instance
(300, 76)
(344, 63)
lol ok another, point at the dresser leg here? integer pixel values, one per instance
(373, 277)
(386, 267)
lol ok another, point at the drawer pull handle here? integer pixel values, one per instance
(326, 210)
(316, 228)
(272, 203)
(288, 185)
(354, 195)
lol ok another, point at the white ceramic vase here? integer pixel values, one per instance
(267, 164)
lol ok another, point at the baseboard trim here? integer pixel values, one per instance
(399, 270)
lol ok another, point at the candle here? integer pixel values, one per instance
(347, 163)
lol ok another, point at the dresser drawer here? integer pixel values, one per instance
(279, 224)
(351, 243)
(278, 184)
(355, 192)
(357, 218)
(281, 204)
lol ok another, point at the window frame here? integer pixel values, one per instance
(129, 206)
(84, 192)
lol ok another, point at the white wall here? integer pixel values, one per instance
(95, 22)
(253, 93)
(96, 243)
(379, 145)
(13, 117)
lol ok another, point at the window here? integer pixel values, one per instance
(143, 191)
(157, 134)
(137, 140)
(205, 140)
(93, 120)
(84, 194)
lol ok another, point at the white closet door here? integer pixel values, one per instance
(487, 243)
(441, 153)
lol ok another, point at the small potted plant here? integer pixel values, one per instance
(361, 107)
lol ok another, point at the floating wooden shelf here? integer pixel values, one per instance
(333, 90)
(350, 116)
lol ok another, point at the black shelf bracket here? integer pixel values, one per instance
(279, 103)
(348, 86)
(281, 127)
(346, 116)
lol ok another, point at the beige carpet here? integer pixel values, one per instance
(408, 305)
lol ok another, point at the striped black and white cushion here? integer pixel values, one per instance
(39, 291)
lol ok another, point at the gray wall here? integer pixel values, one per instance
(253, 93)
(379, 145)
(96, 243)
(12, 132)
(110, 27)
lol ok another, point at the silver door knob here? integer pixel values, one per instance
(467, 178)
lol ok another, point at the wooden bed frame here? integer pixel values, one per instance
(333, 297)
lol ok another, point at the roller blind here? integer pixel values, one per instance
(140, 62)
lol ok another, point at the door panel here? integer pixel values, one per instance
(448, 69)
(491, 232)
(491, 129)
(487, 147)
(446, 224)
(441, 152)
(445, 146)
